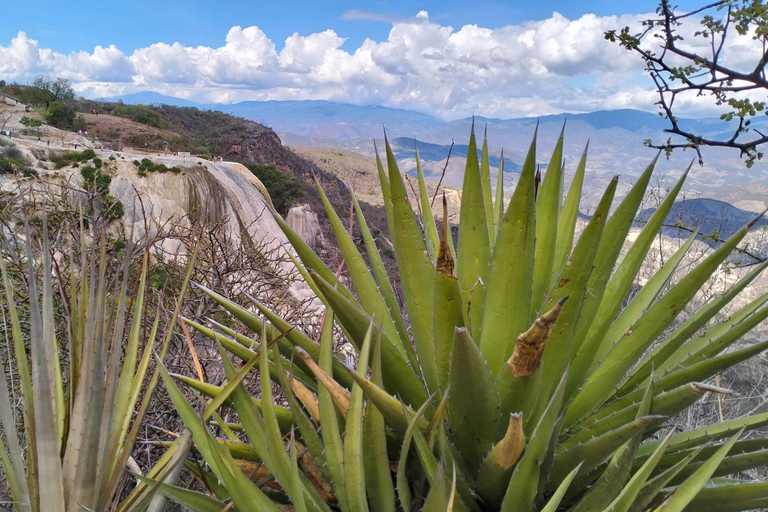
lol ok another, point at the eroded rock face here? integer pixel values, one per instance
(209, 193)
(305, 223)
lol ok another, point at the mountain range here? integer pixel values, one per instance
(615, 140)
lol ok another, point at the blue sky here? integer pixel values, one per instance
(74, 26)
(450, 57)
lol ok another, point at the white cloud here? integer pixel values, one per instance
(533, 68)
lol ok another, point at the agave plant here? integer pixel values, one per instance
(516, 379)
(80, 380)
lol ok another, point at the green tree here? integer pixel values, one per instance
(60, 115)
(678, 71)
(30, 122)
(284, 188)
(60, 89)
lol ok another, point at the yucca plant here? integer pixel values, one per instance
(515, 380)
(81, 374)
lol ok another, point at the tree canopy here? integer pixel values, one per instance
(682, 67)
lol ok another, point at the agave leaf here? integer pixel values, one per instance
(498, 206)
(611, 483)
(284, 416)
(641, 302)
(508, 299)
(611, 297)
(397, 371)
(571, 282)
(485, 180)
(243, 493)
(195, 501)
(416, 275)
(354, 470)
(437, 499)
(622, 411)
(299, 490)
(309, 435)
(728, 497)
(300, 504)
(13, 464)
(732, 464)
(668, 347)
(340, 394)
(365, 286)
(473, 404)
(427, 220)
(308, 257)
(744, 447)
(447, 306)
(378, 482)
(526, 478)
(389, 406)
(557, 496)
(652, 488)
(386, 191)
(612, 241)
(474, 253)
(708, 368)
(295, 336)
(723, 341)
(686, 491)
(596, 451)
(498, 465)
(280, 465)
(403, 487)
(636, 340)
(548, 202)
(566, 224)
(334, 448)
(45, 439)
(629, 492)
(385, 287)
(709, 433)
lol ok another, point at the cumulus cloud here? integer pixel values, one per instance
(533, 68)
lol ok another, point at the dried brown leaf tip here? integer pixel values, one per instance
(444, 263)
(529, 346)
(511, 446)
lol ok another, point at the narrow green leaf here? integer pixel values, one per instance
(635, 341)
(473, 404)
(334, 448)
(566, 225)
(474, 253)
(688, 490)
(547, 211)
(378, 482)
(630, 491)
(416, 271)
(554, 500)
(508, 292)
(354, 470)
(485, 180)
(399, 376)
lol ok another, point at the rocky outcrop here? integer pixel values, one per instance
(304, 222)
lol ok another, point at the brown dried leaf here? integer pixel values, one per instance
(529, 346)
(307, 398)
(338, 392)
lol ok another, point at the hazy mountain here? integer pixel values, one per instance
(709, 215)
(615, 140)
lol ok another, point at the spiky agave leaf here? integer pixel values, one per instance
(440, 395)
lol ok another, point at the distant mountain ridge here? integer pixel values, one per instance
(615, 140)
(710, 216)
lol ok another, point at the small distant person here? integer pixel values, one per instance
(49, 142)
(75, 146)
